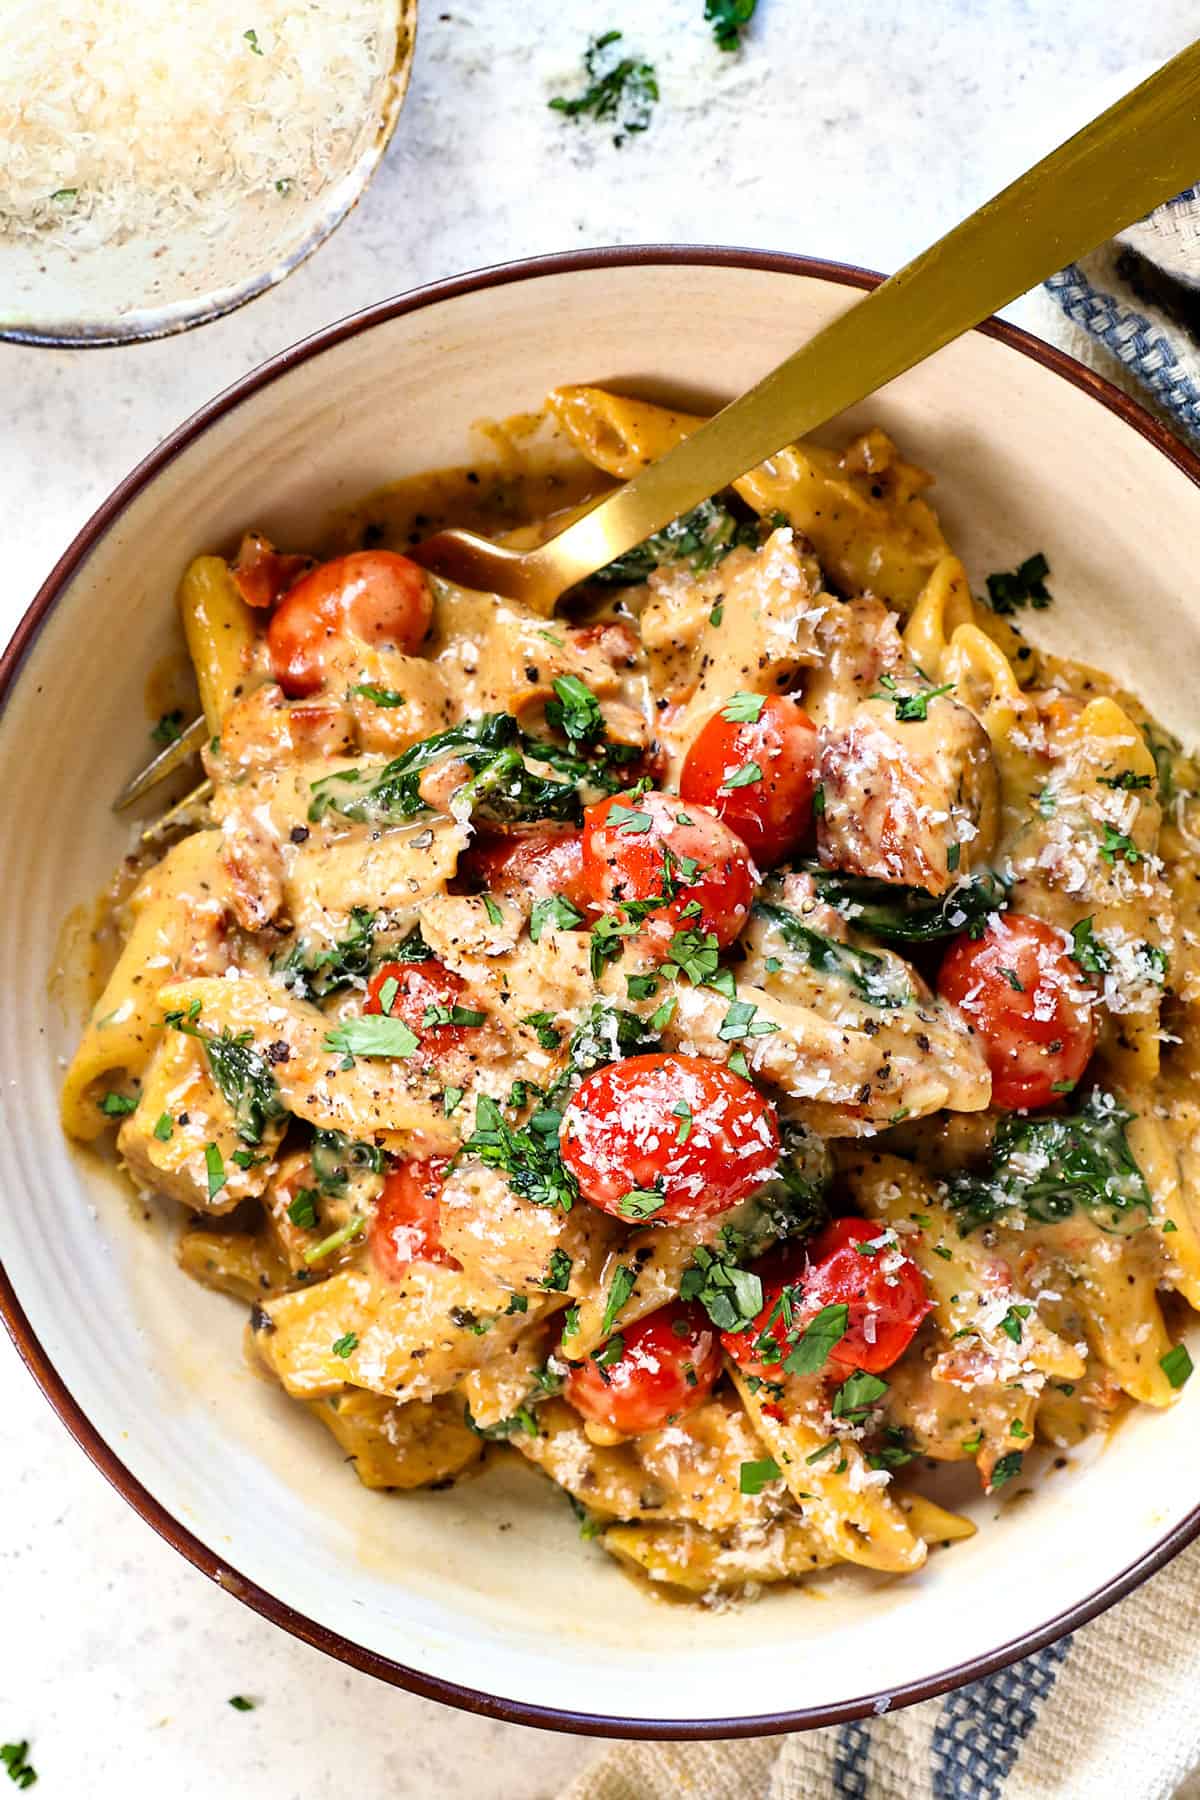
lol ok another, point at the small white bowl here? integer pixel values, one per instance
(61, 296)
(484, 1596)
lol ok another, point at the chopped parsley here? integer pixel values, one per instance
(117, 1106)
(372, 1035)
(575, 711)
(548, 1035)
(1087, 950)
(555, 911)
(386, 697)
(1125, 781)
(745, 776)
(214, 1166)
(1117, 846)
(169, 727)
(1023, 586)
(818, 1338)
(742, 1021)
(743, 709)
(345, 1345)
(302, 1211)
(910, 708)
(731, 1296)
(15, 1758)
(240, 1703)
(620, 89)
(1006, 1467)
(699, 538)
(1176, 1365)
(557, 1278)
(164, 1127)
(251, 38)
(345, 1234)
(1010, 1324)
(640, 1203)
(729, 18)
(683, 1112)
(528, 1157)
(857, 1395)
(754, 1476)
(623, 1284)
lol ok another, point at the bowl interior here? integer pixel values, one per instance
(487, 1585)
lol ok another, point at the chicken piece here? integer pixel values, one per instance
(914, 800)
(497, 1237)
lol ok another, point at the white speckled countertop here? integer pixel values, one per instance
(856, 132)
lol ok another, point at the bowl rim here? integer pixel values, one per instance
(34, 1355)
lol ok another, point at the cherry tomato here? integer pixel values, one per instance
(883, 1290)
(373, 595)
(667, 1364)
(773, 811)
(1029, 1003)
(419, 986)
(536, 863)
(404, 1229)
(625, 858)
(681, 1131)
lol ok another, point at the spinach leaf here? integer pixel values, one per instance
(500, 788)
(314, 974)
(241, 1072)
(1044, 1168)
(908, 915)
(336, 1158)
(699, 538)
(871, 977)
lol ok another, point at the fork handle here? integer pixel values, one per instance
(1141, 152)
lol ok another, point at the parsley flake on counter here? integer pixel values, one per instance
(251, 38)
(754, 1476)
(729, 18)
(15, 1758)
(240, 1703)
(620, 88)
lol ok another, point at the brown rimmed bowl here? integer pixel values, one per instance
(483, 1596)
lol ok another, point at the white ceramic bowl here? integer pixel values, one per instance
(484, 1595)
(60, 295)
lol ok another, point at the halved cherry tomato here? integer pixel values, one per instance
(373, 595)
(667, 1363)
(420, 987)
(883, 1291)
(404, 1229)
(633, 848)
(757, 774)
(672, 1138)
(1030, 1004)
(534, 863)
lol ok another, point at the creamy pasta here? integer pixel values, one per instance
(727, 1045)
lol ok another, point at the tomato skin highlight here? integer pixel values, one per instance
(620, 865)
(375, 596)
(538, 863)
(623, 1132)
(1030, 1004)
(774, 815)
(420, 984)
(649, 1383)
(884, 1292)
(404, 1228)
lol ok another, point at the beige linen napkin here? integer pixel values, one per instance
(1112, 1713)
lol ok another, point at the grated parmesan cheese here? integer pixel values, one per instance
(120, 118)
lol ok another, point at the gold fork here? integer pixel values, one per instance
(1141, 152)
